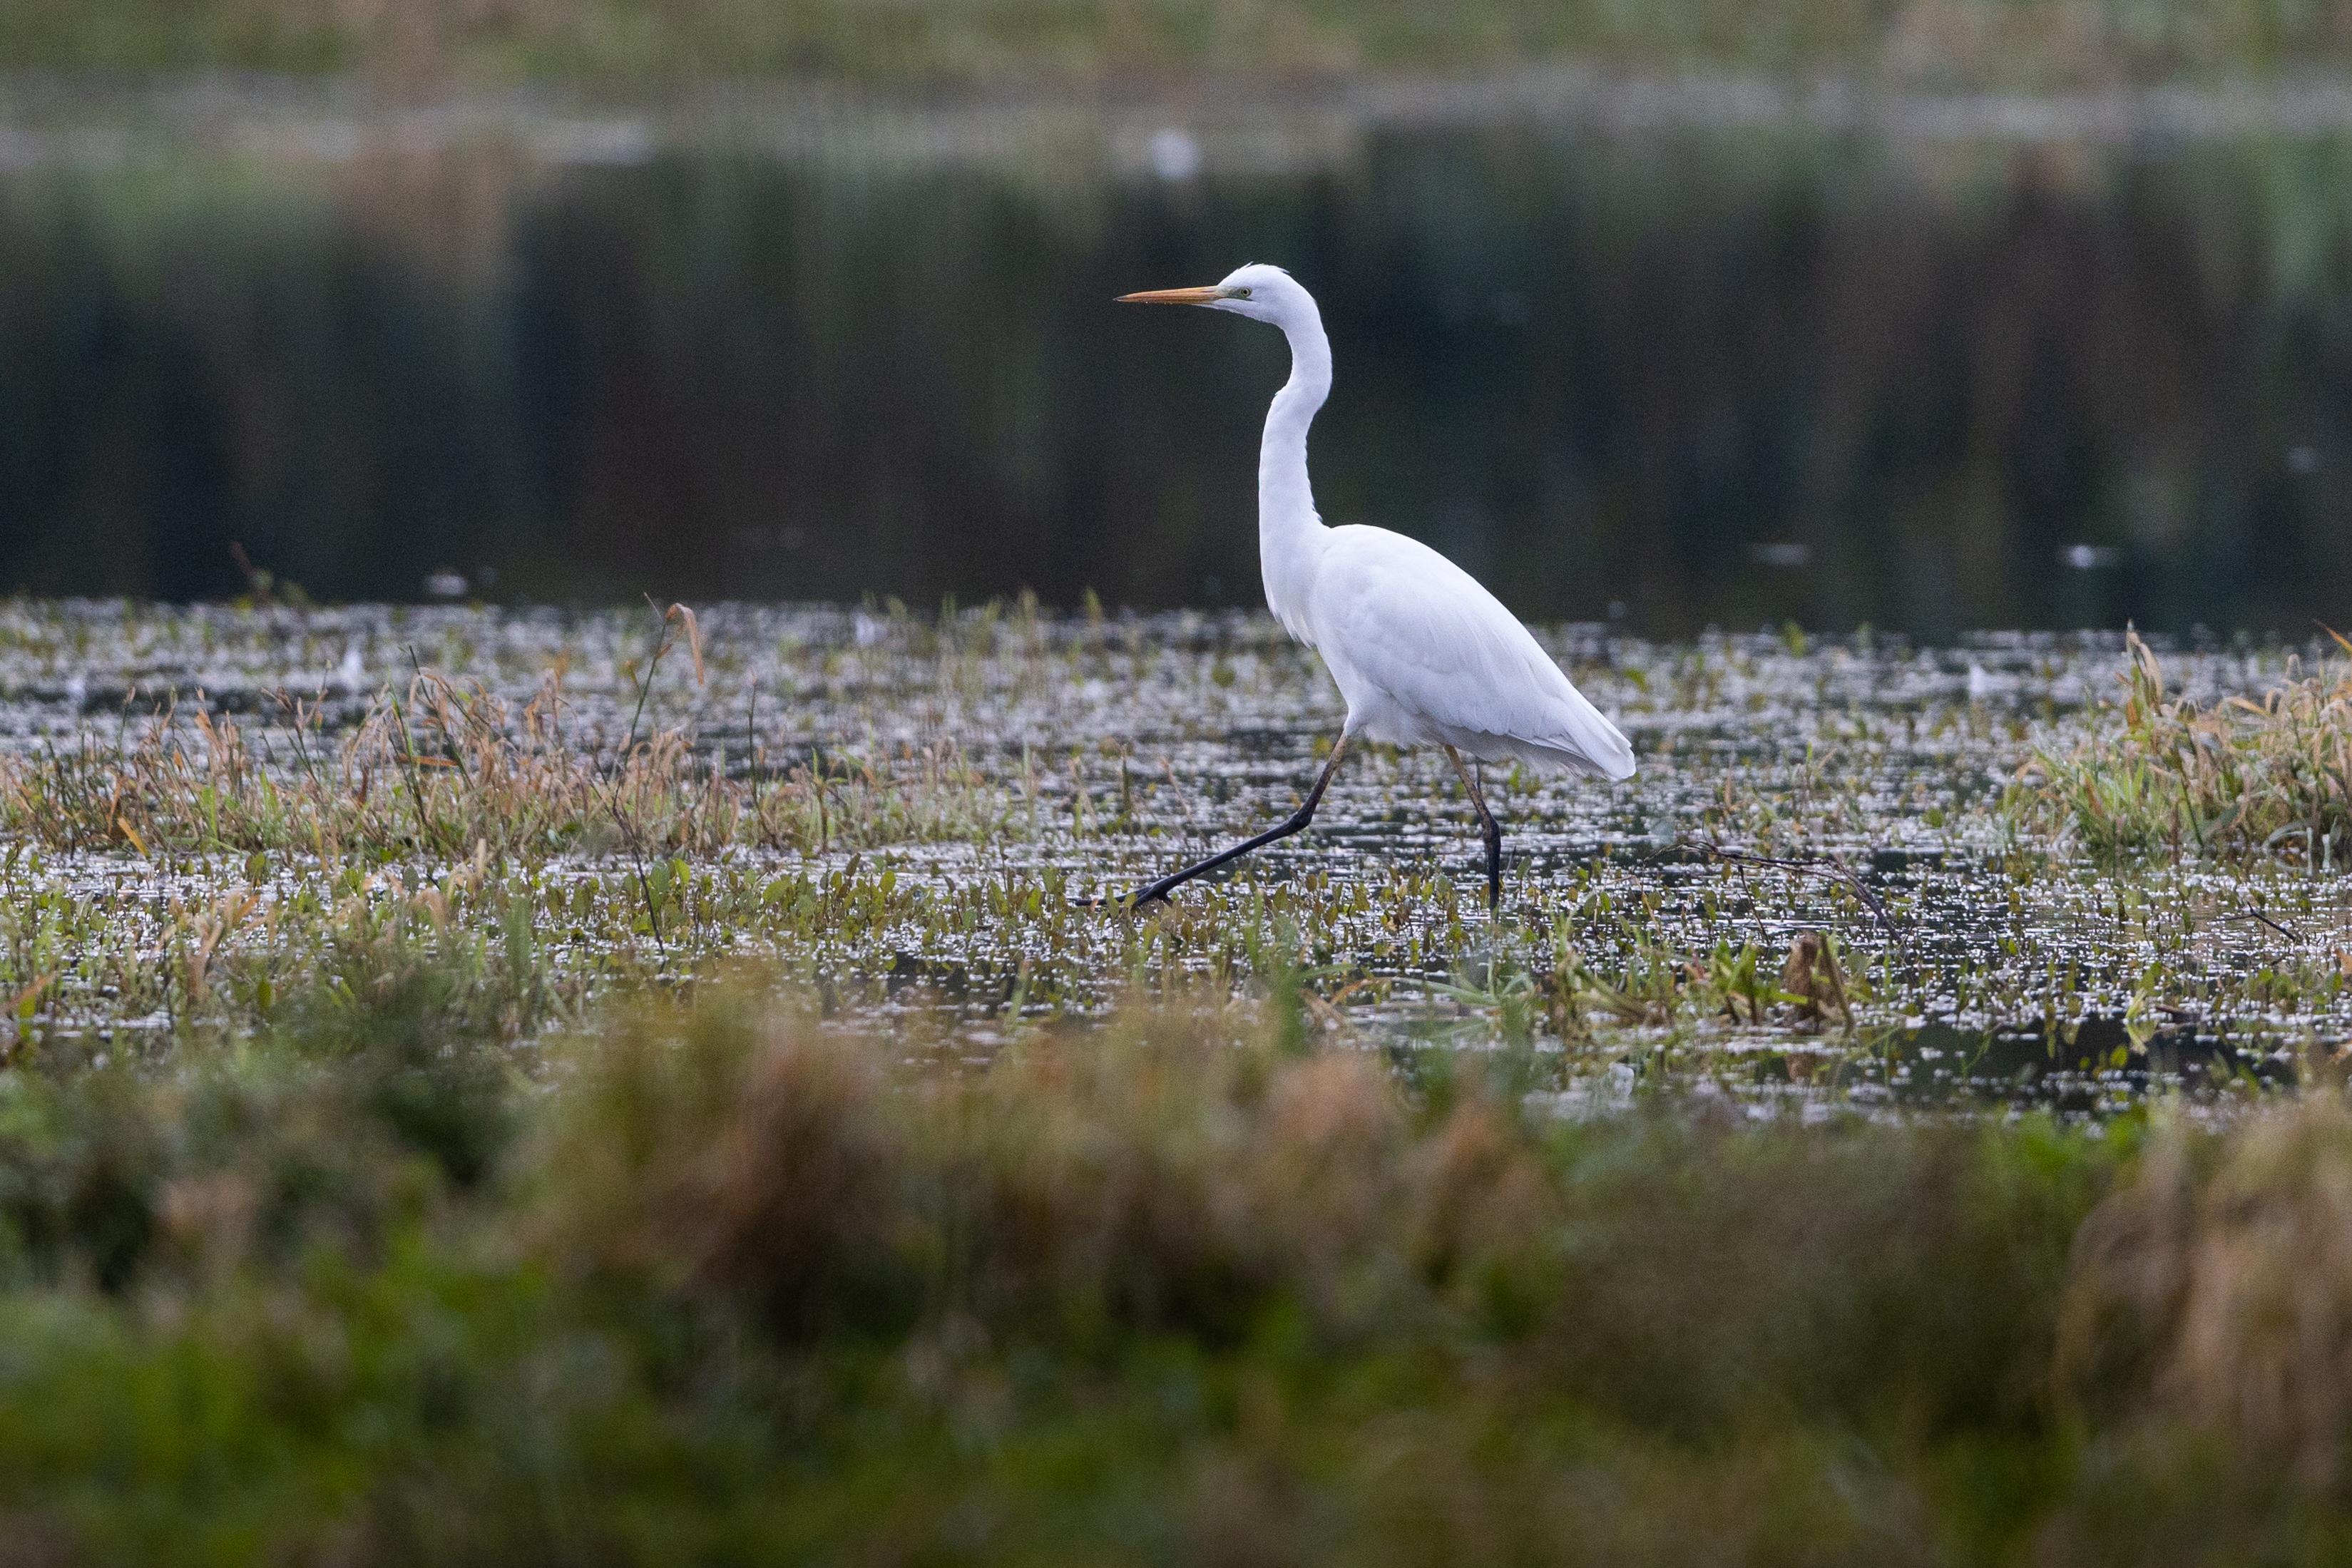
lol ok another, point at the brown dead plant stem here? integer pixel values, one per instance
(439, 767)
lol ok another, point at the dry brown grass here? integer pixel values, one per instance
(2222, 1297)
(1169, 1180)
(441, 769)
(1177, 1173)
(1159, 1291)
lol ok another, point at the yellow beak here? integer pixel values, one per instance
(1172, 297)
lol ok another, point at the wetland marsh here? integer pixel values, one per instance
(483, 1083)
(917, 816)
(608, 1087)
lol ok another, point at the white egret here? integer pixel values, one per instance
(1422, 653)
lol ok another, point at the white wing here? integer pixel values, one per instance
(1398, 621)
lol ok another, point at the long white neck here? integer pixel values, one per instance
(1290, 534)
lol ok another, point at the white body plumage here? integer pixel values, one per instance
(1422, 652)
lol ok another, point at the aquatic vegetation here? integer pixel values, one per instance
(720, 1274)
(641, 1121)
(211, 809)
(2239, 775)
(449, 772)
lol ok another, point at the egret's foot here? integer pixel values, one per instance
(1125, 903)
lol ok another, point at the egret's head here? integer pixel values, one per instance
(1262, 293)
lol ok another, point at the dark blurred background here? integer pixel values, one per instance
(1678, 373)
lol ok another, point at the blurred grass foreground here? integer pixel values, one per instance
(2009, 42)
(721, 1280)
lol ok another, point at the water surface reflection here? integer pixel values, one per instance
(1725, 374)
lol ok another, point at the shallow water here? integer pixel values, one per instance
(1706, 352)
(1850, 787)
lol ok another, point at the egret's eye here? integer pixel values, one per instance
(1239, 294)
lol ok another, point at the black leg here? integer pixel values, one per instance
(1297, 819)
(1486, 822)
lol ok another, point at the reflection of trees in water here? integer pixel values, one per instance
(1594, 369)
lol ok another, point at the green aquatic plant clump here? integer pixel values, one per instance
(2239, 777)
(718, 1280)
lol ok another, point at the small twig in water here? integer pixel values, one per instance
(440, 706)
(644, 686)
(603, 784)
(425, 821)
(298, 721)
(2286, 931)
(1821, 865)
(751, 751)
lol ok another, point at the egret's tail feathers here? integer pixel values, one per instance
(1614, 763)
(1618, 763)
(1603, 755)
(1588, 742)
